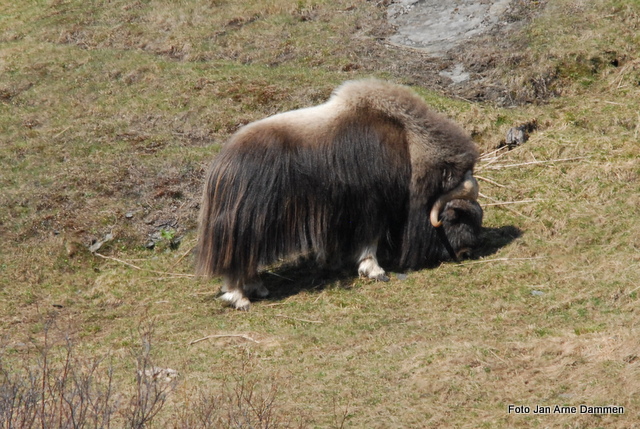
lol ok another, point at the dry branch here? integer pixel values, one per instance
(184, 255)
(488, 154)
(61, 132)
(135, 267)
(499, 204)
(504, 203)
(490, 160)
(299, 320)
(499, 167)
(482, 261)
(489, 181)
(278, 275)
(208, 337)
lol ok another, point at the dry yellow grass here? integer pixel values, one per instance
(111, 111)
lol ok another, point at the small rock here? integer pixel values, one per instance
(537, 293)
(520, 134)
(515, 136)
(98, 244)
(129, 215)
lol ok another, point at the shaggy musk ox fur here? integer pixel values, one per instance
(371, 169)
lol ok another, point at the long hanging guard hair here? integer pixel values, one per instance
(365, 167)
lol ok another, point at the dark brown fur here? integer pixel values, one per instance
(365, 167)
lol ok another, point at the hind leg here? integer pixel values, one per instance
(368, 264)
(234, 294)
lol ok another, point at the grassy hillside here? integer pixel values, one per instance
(110, 112)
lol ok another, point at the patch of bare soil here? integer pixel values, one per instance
(459, 48)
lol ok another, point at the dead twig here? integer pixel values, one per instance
(484, 179)
(61, 132)
(208, 337)
(135, 267)
(299, 320)
(521, 164)
(184, 255)
(483, 261)
(204, 293)
(504, 203)
(488, 154)
(278, 275)
(490, 160)
(494, 353)
(506, 208)
(621, 74)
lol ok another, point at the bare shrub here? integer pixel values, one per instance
(152, 388)
(245, 400)
(57, 389)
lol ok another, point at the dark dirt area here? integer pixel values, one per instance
(463, 49)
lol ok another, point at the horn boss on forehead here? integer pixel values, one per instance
(360, 173)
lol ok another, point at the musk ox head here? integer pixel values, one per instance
(372, 168)
(461, 223)
(457, 217)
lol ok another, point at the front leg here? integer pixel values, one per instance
(368, 264)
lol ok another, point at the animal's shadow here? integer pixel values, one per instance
(494, 239)
(305, 274)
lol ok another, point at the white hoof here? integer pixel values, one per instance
(370, 269)
(236, 299)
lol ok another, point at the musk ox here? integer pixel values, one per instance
(372, 169)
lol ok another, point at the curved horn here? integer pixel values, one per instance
(467, 190)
